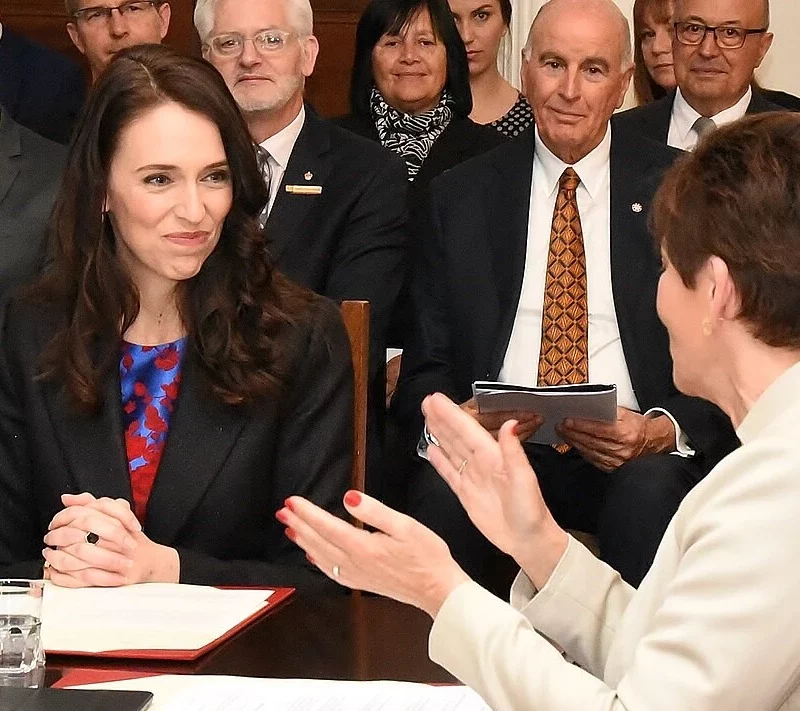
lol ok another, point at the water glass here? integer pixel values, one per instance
(21, 651)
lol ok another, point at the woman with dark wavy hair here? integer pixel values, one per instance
(162, 387)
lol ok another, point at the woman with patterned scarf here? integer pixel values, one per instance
(410, 87)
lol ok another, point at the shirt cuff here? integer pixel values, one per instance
(683, 447)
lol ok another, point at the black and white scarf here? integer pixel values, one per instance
(410, 136)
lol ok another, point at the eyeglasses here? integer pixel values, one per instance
(130, 10)
(726, 36)
(266, 41)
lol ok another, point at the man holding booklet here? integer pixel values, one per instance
(536, 268)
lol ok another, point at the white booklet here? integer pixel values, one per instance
(151, 619)
(586, 401)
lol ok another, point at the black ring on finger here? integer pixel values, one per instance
(92, 537)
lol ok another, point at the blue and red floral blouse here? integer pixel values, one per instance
(149, 378)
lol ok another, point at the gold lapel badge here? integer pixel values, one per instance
(304, 189)
(308, 175)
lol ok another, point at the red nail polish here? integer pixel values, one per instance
(288, 505)
(310, 559)
(281, 516)
(515, 429)
(352, 498)
(290, 534)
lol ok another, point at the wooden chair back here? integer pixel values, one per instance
(355, 315)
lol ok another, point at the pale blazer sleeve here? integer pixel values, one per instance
(712, 628)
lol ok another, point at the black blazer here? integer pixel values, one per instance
(461, 140)
(224, 471)
(43, 90)
(349, 241)
(652, 120)
(30, 171)
(466, 290)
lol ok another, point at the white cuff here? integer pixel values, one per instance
(682, 446)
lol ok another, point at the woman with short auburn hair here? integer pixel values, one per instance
(162, 387)
(712, 624)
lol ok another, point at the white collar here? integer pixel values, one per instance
(684, 116)
(280, 145)
(772, 405)
(592, 169)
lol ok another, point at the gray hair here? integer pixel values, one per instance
(301, 17)
(624, 27)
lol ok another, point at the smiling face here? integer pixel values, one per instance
(100, 39)
(656, 42)
(575, 75)
(169, 192)
(263, 81)
(410, 68)
(481, 26)
(713, 79)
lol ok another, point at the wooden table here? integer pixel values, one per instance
(361, 638)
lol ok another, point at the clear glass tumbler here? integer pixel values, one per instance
(21, 651)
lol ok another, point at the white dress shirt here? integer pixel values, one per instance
(280, 147)
(681, 132)
(606, 358)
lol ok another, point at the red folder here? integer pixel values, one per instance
(278, 596)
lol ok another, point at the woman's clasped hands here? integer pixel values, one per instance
(99, 542)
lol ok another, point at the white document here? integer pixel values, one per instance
(554, 403)
(147, 616)
(223, 693)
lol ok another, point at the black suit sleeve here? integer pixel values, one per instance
(20, 542)
(370, 254)
(313, 458)
(427, 361)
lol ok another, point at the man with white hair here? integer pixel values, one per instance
(540, 270)
(337, 202)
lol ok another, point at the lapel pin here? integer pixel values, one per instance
(304, 189)
(308, 175)
(637, 207)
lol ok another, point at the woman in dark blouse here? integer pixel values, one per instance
(482, 25)
(410, 87)
(162, 388)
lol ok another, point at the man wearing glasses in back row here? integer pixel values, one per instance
(716, 47)
(101, 29)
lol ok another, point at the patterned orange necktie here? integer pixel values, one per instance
(563, 357)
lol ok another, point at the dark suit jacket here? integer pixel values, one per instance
(30, 171)
(348, 242)
(652, 120)
(467, 288)
(461, 140)
(43, 90)
(782, 99)
(224, 471)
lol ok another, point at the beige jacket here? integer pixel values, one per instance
(714, 626)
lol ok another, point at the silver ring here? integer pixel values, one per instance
(336, 571)
(91, 537)
(461, 468)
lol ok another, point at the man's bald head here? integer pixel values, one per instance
(763, 9)
(602, 10)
